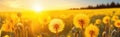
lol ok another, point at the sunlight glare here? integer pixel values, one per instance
(37, 7)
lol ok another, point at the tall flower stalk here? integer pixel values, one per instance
(81, 21)
(56, 26)
(106, 21)
(91, 31)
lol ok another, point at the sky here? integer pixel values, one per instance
(9, 5)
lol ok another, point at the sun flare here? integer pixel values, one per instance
(37, 7)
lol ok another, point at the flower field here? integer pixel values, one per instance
(61, 23)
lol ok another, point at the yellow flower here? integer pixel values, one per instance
(7, 26)
(56, 25)
(91, 31)
(98, 21)
(117, 23)
(114, 18)
(6, 36)
(81, 21)
(106, 19)
(68, 36)
(44, 19)
(4, 27)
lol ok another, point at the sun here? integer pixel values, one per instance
(37, 7)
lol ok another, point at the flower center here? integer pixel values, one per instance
(56, 26)
(81, 22)
(107, 20)
(92, 33)
(19, 14)
(45, 20)
(118, 24)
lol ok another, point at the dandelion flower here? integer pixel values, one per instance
(91, 31)
(106, 19)
(56, 25)
(98, 21)
(44, 19)
(117, 23)
(114, 18)
(81, 21)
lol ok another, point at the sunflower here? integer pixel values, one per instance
(91, 31)
(81, 21)
(56, 25)
(114, 18)
(98, 21)
(106, 19)
(117, 23)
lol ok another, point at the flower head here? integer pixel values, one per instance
(114, 18)
(91, 31)
(117, 23)
(106, 19)
(6, 36)
(81, 21)
(44, 19)
(98, 21)
(56, 25)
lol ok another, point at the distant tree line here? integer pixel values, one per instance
(99, 6)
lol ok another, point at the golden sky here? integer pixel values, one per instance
(9, 5)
